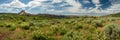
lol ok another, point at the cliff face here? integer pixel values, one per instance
(22, 12)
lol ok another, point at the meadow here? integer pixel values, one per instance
(37, 27)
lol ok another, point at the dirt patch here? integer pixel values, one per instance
(117, 22)
(4, 35)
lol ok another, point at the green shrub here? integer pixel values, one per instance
(97, 23)
(39, 36)
(23, 19)
(32, 28)
(78, 27)
(12, 28)
(89, 20)
(54, 28)
(25, 27)
(67, 22)
(2, 25)
(8, 26)
(74, 35)
(31, 24)
(100, 35)
(112, 32)
(63, 31)
(11, 17)
(40, 25)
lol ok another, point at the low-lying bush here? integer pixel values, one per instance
(97, 23)
(25, 27)
(39, 36)
(112, 32)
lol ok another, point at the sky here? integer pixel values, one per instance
(61, 6)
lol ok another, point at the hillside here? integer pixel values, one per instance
(41, 15)
(58, 27)
(115, 15)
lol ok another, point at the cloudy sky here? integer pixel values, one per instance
(61, 6)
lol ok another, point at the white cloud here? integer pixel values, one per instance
(73, 3)
(48, 7)
(56, 1)
(4, 5)
(86, 1)
(96, 1)
(76, 6)
(51, 10)
(17, 4)
(115, 1)
(73, 9)
(97, 4)
(40, 0)
(33, 4)
(14, 4)
(114, 8)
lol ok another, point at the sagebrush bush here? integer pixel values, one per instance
(40, 25)
(78, 27)
(112, 32)
(39, 36)
(100, 34)
(75, 35)
(57, 29)
(25, 27)
(2, 25)
(33, 28)
(54, 28)
(89, 20)
(12, 28)
(31, 24)
(63, 31)
(8, 25)
(97, 23)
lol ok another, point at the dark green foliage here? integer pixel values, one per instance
(51, 27)
(101, 35)
(97, 23)
(12, 28)
(115, 15)
(54, 29)
(2, 25)
(31, 24)
(8, 26)
(23, 20)
(25, 27)
(63, 31)
(112, 32)
(32, 28)
(78, 27)
(39, 36)
(78, 35)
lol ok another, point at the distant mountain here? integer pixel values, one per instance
(22, 12)
(114, 15)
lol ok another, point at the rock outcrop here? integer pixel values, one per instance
(22, 12)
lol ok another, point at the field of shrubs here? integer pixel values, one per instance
(21, 27)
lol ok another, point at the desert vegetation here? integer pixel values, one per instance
(26, 27)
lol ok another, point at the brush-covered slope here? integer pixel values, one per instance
(115, 15)
(37, 27)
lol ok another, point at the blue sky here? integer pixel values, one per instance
(60, 6)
